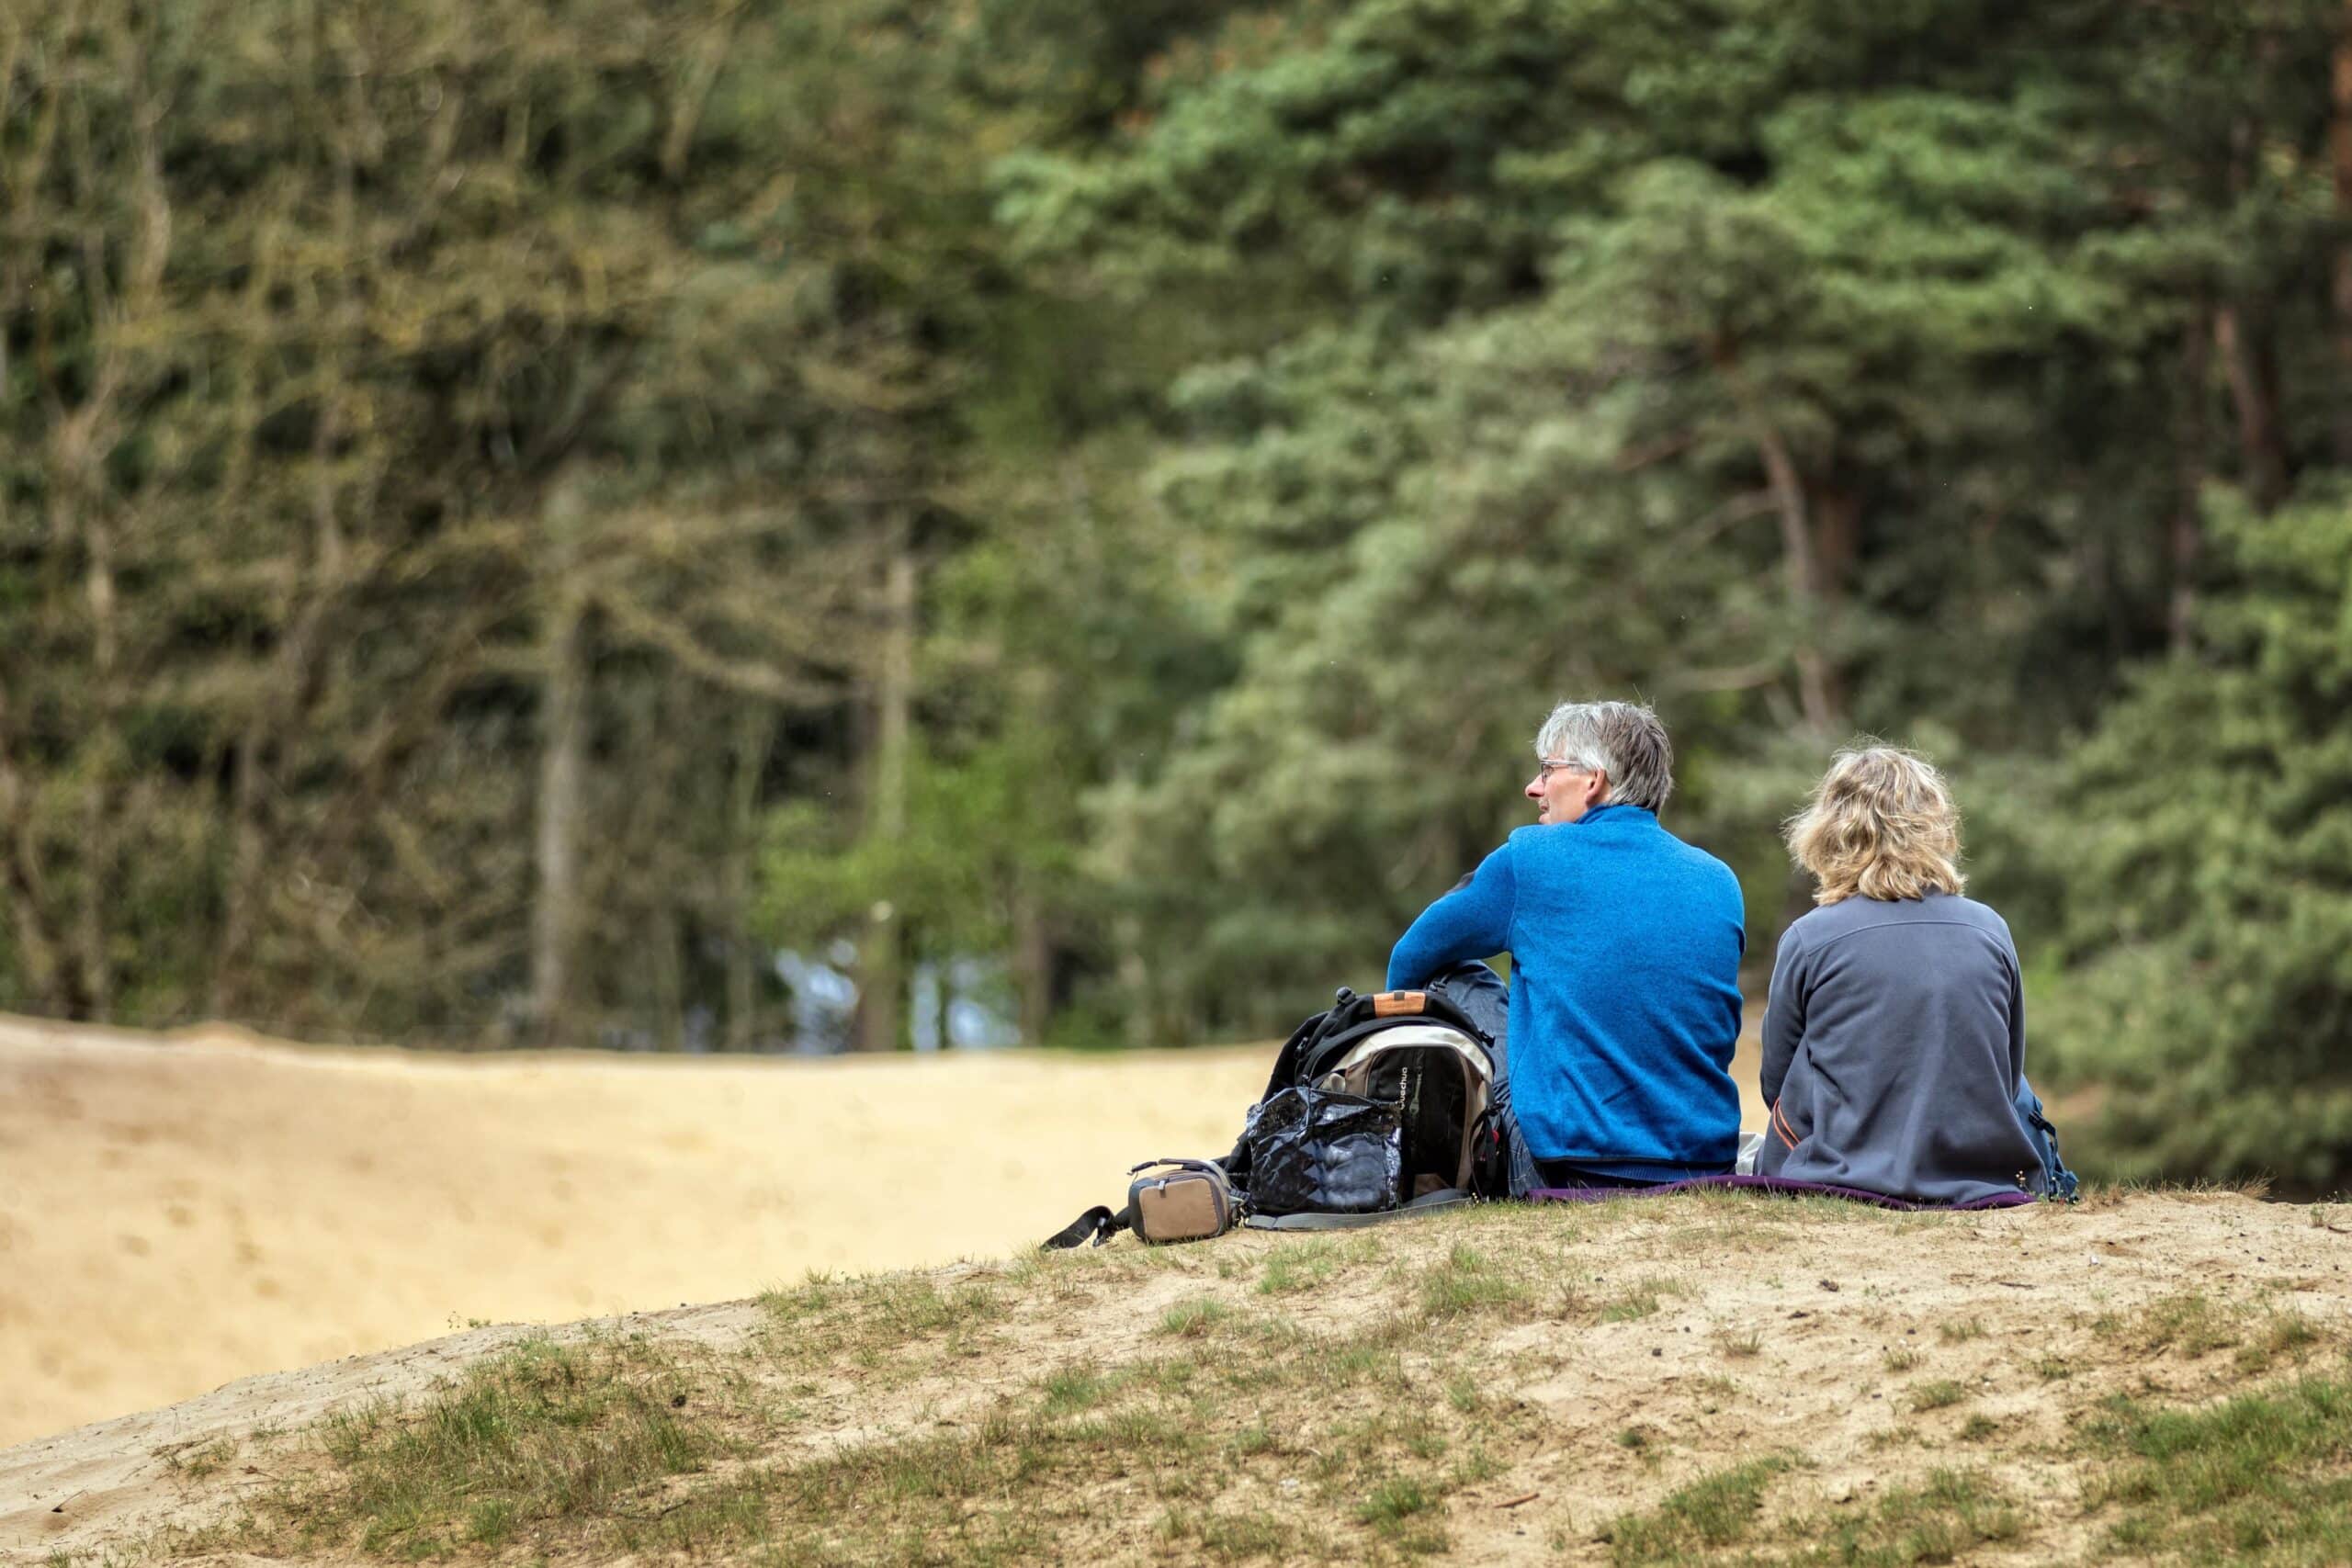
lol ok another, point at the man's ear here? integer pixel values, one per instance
(1600, 790)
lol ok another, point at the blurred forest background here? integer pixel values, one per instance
(597, 520)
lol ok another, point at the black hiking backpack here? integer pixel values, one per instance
(1385, 1102)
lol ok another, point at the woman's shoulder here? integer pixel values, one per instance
(1856, 913)
(1966, 910)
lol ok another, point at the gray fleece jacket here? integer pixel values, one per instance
(1894, 1041)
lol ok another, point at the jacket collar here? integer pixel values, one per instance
(1624, 811)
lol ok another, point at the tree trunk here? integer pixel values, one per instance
(882, 953)
(297, 677)
(2186, 531)
(564, 743)
(97, 794)
(1837, 546)
(37, 948)
(1136, 982)
(1820, 695)
(2250, 358)
(1033, 966)
(669, 977)
(745, 954)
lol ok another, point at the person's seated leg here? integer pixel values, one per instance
(1483, 998)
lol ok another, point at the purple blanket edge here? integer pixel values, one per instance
(1769, 1184)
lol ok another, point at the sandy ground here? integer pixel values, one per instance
(178, 1211)
(1812, 1309)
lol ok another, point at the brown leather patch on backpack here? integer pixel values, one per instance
(1390, 1004)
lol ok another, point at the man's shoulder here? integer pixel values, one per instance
(1702, 862)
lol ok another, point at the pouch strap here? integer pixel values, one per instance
(1091, 1228)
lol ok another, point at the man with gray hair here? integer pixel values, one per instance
(1625, 944)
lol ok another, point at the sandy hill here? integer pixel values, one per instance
(176, 1211)
(179, 1209)
(1707, 1376)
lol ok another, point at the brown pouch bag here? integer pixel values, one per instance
(1180, 1199)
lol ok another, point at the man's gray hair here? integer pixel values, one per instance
(1625, 741)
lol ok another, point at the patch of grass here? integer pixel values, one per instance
(1254, 1440)
(1195, 1318)
(1080, 1387)
(1937, 1394)
(2191, 1322)
(1297, 1266)
(490, 1522)
(1978, 1427)
(1395, 1510)
(1959, 1332)
(2262, 1478)
(1740, 1346)
(1467, 1282)
(1952, 1514)
(1901, 1358)
(1396, 1498)
(1715, 1511)
(2053, 1369)
(2280, 1334)
(1236, 1537)
(876, 1317)
(1641, 1298)
(545, 1431)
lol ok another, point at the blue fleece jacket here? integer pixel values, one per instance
(1625, 944)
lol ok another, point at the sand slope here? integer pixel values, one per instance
(176, 1211)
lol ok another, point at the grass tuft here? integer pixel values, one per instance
(1937, 1396)
(1467, 1282)
(1717, 1511)
(1195, 1319)
(1641, 1300)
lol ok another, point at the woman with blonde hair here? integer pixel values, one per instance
(1894, 1033)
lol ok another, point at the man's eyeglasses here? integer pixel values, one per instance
(1547, 766)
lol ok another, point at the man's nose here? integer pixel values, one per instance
(1534, 790)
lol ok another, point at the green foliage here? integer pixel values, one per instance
(2214, 992)
(507, 515)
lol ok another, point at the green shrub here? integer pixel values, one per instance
(2211, 862)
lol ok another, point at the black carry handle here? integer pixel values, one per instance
(1179, 1163)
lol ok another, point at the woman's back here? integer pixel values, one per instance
(1894, 1041)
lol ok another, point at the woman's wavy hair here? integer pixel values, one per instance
(1881, 823)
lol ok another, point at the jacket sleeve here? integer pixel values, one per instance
(1472, 921)
(1783, 1015)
